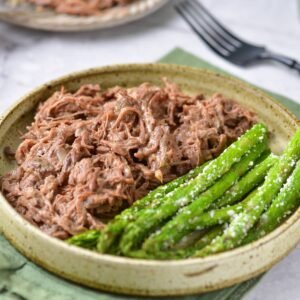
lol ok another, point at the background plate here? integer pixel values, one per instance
(27, 16)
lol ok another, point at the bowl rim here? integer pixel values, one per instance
(295, 217)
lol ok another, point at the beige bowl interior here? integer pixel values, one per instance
(143, 277)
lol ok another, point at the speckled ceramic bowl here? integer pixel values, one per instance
(26, 15)
(142, 277)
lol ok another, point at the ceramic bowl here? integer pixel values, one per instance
(27, 16)
(142, 277)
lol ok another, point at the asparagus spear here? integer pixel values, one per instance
(222, 215)
(114, 229)
(282, 206)
(150, 219)
(87, 239)
(168, 255)
(189, 218)
(205, 240)
(208, 238)
(211, 219)
(243, 222)
(247, 183)
(176, 254)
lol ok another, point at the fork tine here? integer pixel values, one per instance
(200, 31)
(215, 31)
(209, 30)
(221, 28)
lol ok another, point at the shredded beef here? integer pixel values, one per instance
(79, 7)
(90, 154)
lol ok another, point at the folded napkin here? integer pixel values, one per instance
(21, 279)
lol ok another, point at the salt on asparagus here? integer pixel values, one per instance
(247, 183)
(150, 219)
(222, 215)
(282, 206)
(188, 218)
(214, 222)
(243, 222)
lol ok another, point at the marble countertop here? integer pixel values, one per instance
(29, 58)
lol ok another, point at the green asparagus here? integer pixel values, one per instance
(168, 255)
(211, 234)
(282, 206)
(150, 219)
(211, 219)
(87, 239)
(247, 183)
(188, 218)
(222, 215)
(243, 222)
(183, 253)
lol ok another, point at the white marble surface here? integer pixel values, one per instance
(29, 58)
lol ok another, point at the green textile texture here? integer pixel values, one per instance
(21, 279)
(181, 57)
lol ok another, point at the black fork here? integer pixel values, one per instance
(224, 42)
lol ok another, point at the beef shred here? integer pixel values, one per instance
(90, 154)
(79, 7)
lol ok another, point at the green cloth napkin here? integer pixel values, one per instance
(181, 57)
(20, 279)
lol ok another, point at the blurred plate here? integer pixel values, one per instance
(29, 16)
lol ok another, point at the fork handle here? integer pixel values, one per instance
(284, 60)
